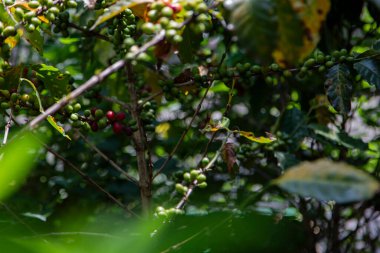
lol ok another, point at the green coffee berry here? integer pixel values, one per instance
(77, 107)
(9, 31)
(194, 174)
(74, 117)
(201, 178)
(187, 176)
(202, 185)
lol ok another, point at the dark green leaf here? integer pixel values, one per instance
(286, 160)
(340, 138)
(338, 87)
(369, 69)
(326, 180)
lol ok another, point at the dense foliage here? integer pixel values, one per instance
(190, 126)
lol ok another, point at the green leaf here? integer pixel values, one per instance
(369, 69)
(326, 180)
(286, 160)
(284, 30)
(339, 138)
(54, 80)
(16, 160)
(338, 87)
(258, 18)
(41, 109)
(35, 39)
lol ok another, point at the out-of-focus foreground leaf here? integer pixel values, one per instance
(16, 160)
(326, 180)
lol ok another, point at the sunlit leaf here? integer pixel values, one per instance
(326, 180)
(16, 160)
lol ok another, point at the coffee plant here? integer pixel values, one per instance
(190, 126)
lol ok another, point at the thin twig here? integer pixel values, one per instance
(183, 134)
(90, 180)
(109, 160)
(94, 80)
(7, 128)
(194, 183)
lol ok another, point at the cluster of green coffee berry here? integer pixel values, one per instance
(122, 28)
(161, 212)
(16, 101)
(195, 177)
(318, 62)
(148, 115)
(61, 23)
(30, 17)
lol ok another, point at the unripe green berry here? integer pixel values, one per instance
(194, 174)
(329, 64)
(54, 10)
(99, 113)
(19, 13)
(167, 11)
(69, 108)
(87, 113)
(268, 80)
(320, 58)
(5, 93)
(310, 62)
(71, 4)
(187, 176)
(202, 185)
(160, 209)
(9, 31)
(256, 69)
(205, 161)
(102, 123)
(201, 178)
(274, 67)
(180, 188)
(287, 73)
(35, 21)
(14, 97)
(148, 28)
(5, 105)
(74, 117)
(34, 4)
(30, 28)
(29, 15)
(77, 107)
(321, 68)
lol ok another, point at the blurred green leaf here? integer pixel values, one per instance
(16, 160)
(340, 138)
(286, 31)
(339, 88)
(326, 180)
(35, 39)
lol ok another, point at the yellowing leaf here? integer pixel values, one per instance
(252, 137)
(138, 8)
(60, 129)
